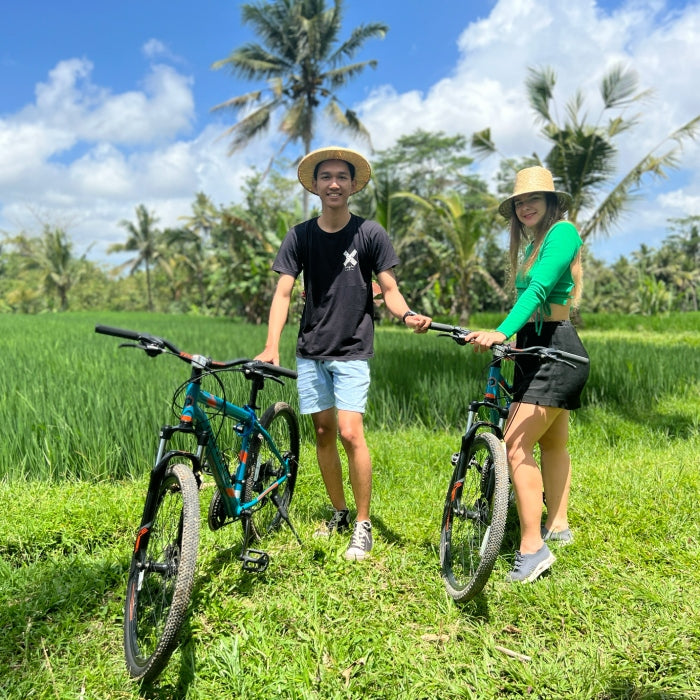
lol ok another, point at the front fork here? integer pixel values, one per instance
(163, 458)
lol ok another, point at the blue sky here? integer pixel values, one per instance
(107, 105)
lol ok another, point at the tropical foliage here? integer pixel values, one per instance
(44, 268)
(583, 154)
(145, 240)
(441, 217)
(217, 262)
(304, 64)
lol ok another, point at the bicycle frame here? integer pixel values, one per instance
(195, 421)
(497, 398)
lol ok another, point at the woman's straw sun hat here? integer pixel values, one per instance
(309, 162)
(529, 181)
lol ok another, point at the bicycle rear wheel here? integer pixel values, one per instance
(474, 518)
(264, 469)
(161, 576)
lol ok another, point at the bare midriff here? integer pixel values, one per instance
(560, 312)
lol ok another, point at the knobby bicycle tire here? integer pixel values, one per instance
(161, 576)
(474, 517)
(263, 469)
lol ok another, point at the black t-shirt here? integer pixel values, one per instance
(338, 317)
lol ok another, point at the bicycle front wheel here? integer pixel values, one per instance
(264, 469)
(474, 518)
(161, 576)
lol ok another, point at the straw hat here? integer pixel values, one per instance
(531, 180)
(311, 160)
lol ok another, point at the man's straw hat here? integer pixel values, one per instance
(311, 160)
(529, 181)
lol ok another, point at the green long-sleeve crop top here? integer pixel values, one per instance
(548, 281)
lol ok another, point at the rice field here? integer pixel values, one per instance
(77, 406)
(617, 617)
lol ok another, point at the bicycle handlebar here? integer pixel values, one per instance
(155, 345)
(274, 369)
(142, 338)
(444, 328)
(459, 334)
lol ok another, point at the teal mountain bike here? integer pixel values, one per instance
(479, 493)
(254, 488)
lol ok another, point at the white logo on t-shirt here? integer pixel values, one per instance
(350, 259)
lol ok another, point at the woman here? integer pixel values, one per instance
(548, 283)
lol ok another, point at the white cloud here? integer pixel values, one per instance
(83, 154)
(154, 47)
(24, 150)
(580, 42)
(71, 103)
(102, 172)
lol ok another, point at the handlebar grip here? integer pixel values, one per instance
(117, 332)
(574, 358)
(276, 369)
(445, 328)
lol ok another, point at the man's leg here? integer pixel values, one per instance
(352, 435)
(326, 429)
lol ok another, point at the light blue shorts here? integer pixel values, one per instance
(323, 384)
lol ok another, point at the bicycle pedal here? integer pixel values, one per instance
(255, 561)
(455, 459)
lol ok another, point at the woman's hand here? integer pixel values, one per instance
(483, 340)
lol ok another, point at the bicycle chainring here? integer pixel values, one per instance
(217, 515)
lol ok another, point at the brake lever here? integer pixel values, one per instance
(246, 369)
(459, 339)
(152, 350)
(553, 355)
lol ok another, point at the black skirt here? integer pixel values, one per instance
(550, 383)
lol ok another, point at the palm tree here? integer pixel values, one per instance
(191, 242)
(303, 64)
(681, 259)
(457, 244)
(144, 239)
(583, 155)
(52, 255)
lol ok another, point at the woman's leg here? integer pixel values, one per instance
(527, 424)
(556, 472)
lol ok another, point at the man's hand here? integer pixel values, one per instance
(269, 355)
(419, 323)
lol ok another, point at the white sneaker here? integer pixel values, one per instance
(339, 522)
(360, 542)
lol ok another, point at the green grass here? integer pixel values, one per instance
(617, 617)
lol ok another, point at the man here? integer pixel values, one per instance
(338, 253)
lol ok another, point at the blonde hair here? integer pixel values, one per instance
(519, 240)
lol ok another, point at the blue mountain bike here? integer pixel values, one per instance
(479, 492)
(254, 485)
